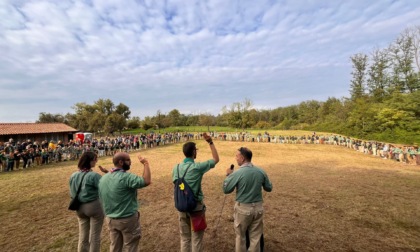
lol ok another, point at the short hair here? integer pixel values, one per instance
(188, 149)
(119, 157)
(85, 159)
(246, 153)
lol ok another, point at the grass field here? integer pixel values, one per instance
(324, 198)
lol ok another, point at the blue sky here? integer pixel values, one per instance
(195, 56)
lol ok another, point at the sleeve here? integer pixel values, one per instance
(229, 183)
(70, 186)
(134, 181)
(204, 167)
(268, 187)
(72, 190)
(95, 180)
(174, 174)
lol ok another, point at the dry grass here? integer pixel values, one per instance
(325, 198)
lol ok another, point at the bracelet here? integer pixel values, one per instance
(210, 143)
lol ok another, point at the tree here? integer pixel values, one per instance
(45, 117)
(114, 122)
(206, 120)
(104, 106)
(308, 111)
(238, 116)
(123, 110)
(147, 123)
(133, 123)
(378, 80)
(174, 117)
(357, 86)
(402, 52)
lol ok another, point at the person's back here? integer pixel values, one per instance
(118, 194)
(192, 240)
(119, 191)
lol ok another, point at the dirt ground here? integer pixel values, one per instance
(324, 198)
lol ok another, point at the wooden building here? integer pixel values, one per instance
(21, 132)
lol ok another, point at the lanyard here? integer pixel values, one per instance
(117, 169)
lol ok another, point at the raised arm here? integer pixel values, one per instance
(212, 147)
(146, 172)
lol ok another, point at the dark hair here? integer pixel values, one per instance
(85, 159)
(247, 153)
(188, 149)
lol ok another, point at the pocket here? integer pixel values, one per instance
(184, 227)
(243, 211)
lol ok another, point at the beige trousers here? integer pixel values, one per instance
(248, 217)
(125, 233)
(91, 218)
(190, 241)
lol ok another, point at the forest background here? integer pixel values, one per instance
(384, 104)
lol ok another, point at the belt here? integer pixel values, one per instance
(249, 204)
(117, 218)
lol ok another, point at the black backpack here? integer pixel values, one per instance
(183, 195)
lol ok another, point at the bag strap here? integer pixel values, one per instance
(80, 186)
(184, 172)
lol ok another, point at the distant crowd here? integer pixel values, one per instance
(16, 155)
(405, 153)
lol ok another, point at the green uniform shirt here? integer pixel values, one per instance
(247, 180)
(194, 175)
(89, 190)
(118, 193)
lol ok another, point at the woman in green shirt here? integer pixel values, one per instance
(90, 214)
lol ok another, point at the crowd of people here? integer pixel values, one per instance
(402, 153)
(114, 196)
(21, 155)
(15, 155)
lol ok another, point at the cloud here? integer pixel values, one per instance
(189, 55)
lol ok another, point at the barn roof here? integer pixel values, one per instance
(33, 128)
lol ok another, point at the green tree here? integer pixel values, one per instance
(357, 86)
(174, 117)
(378, 80)
(133, 123)
(45, 117)
(114, 123)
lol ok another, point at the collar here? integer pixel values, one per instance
(248, 164)
(186, 160)
(117, 169)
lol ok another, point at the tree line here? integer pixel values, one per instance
(384, 104)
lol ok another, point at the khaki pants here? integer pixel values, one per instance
(91, 218)
(248, 217)
(125, 232)
(190, 241)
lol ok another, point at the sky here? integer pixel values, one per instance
(194, 56)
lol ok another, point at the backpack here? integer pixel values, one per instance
(183, 195)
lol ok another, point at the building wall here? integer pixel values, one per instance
(64, 137)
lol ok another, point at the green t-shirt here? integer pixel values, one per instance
(118, 193)
(194, 175)
(247, 180)
(89, 190)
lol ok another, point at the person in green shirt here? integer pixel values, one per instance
(118, 194)
(193, 240)
(90, 214)
(248, 211)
